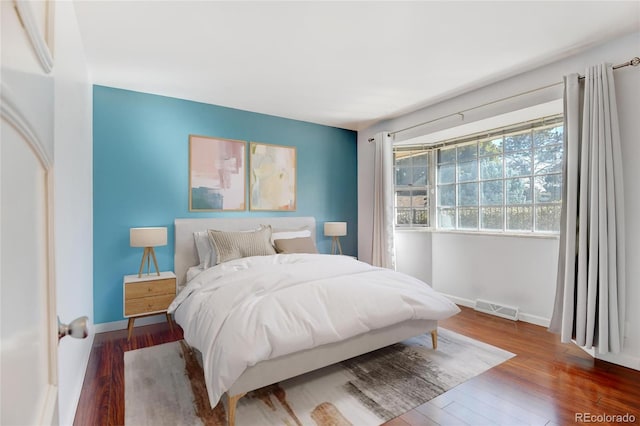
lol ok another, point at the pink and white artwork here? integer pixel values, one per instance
(217, 174)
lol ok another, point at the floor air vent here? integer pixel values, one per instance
(508, 312)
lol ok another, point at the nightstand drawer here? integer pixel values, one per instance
(150, 288)
(144, 305)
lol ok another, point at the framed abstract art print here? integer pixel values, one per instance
(217, 174)
(272, 177)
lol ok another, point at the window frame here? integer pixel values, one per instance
(427, 187)
(533, 203)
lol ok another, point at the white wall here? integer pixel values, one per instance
(464, 281)
(73, 177)
(413, 254)
(510, 270)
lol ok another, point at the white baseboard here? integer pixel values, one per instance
(622, 359)
(534, 319)
(67, 416)
(522, 316)
(460, 300)
(122, 325)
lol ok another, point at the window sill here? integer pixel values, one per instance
(482, 234)
(416, 229)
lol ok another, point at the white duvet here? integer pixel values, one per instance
(249, 310)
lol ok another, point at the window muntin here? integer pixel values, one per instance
(509, 180)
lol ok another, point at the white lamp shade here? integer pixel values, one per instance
(335, 229)
(148, 237)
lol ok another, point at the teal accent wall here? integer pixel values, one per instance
(141, 176)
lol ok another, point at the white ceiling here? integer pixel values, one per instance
(344, 64)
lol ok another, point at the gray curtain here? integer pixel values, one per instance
(590, 295)
(383, 249)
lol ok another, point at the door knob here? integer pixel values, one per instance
(77, 328)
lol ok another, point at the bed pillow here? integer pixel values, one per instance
(236, 245)
(296, 245)
(287, 234)
(206, 251)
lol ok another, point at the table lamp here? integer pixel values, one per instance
(335, 230)
(148, 238)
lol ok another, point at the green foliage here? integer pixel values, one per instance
(468, 194)
(491, 218)
(491, 193)
(519, 218)
(491, 167)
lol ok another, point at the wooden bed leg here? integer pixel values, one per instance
(434, 338)
(233, 401)
(170, 321)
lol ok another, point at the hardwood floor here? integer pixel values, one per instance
(546, 383)
(102, 398)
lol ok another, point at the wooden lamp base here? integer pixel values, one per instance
(146, 256)
(336, 248)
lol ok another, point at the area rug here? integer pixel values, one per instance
(164, 385)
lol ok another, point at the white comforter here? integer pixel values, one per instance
(249, 310)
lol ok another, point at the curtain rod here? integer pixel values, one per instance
(633, 62)
(550, 120)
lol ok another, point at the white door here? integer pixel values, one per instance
(28, 347)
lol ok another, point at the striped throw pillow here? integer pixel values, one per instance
(236, 245)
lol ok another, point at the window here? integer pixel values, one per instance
(412, 188)
(505, 180)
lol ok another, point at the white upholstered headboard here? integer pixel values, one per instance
(185, 254)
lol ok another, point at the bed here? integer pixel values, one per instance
(276, 368)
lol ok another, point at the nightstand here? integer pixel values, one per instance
(148, 295)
